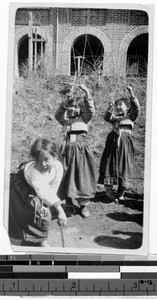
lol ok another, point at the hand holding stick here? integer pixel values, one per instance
(62, 219)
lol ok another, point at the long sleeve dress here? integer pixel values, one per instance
(79, 177)
(117, 161)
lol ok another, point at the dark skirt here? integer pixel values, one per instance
(117, 161)
(28, 218)
(79, 178)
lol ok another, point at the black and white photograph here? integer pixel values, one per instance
(77, 168)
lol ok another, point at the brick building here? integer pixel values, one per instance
(114, 41)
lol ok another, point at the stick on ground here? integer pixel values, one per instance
(62, 236)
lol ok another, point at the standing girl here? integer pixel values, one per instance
(117, 161)
(79, 177)
(33, 191)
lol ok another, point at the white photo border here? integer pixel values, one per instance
(144, 250)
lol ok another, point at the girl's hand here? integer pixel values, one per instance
(68, 100)
(110, 104)
(61, 222)
(83, 87)
(129, 88)
(62, 219)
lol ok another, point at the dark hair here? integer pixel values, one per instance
(41, 145)
(125, 100)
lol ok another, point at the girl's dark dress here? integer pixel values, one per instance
(79, 177)
(117, 161)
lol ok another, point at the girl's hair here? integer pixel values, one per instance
(125, 100)
(41, 145)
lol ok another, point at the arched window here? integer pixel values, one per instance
(86, 55)
(38, 50)
(137, 56)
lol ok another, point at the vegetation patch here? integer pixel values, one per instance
(36, 97)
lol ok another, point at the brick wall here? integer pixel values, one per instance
(40, 16)
(138, 18)
(64, 25)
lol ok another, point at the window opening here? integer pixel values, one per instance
(86, 55)
(137, 56)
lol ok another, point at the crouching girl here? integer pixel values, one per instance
(33, 191)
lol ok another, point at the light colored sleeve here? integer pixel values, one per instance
(58, 177)
(46, 191)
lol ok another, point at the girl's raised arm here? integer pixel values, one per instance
(134, 104)
(60, 112)
(89, 110)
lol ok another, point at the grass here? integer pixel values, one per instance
(36, 97)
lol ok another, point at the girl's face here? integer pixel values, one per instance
(45, 162)
(74, 111)
(121, 108)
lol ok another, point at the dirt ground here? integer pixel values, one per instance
(110, 225)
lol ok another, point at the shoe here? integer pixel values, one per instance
(121, 192)
(116, 201)
(120, 195)
(122, 198)
(70, 210)
(84, 212)
(110, 195)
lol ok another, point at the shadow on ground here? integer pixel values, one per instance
(132, 200)
(124, 217)
(101, 197)
(133, 204)
(134, 241)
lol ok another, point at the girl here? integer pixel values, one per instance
(79, 177)
(34, 191)
(117, 162)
